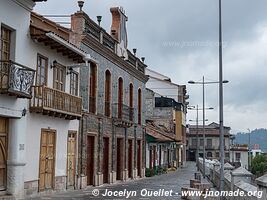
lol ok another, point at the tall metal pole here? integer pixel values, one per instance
(197, 156)
(204, 152)
(221, 100)
(249, 158)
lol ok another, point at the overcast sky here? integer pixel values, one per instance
(179, 39)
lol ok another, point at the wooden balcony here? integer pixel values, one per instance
(123, 115)
(16, 79)
(52, 102)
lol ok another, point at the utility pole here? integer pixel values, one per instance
(204, 137)
(221, 100)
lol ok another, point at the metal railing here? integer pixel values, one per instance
(107, 108)
(123, 112)
(16, 79)
(92, 104)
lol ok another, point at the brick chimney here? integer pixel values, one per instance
(118, 26)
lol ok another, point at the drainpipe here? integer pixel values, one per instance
(126, 148)
(135, 149)
(113, 146)
(82, 146)
(86, 58)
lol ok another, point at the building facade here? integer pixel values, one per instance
(239, 155)
(112, 128)
(212, 142)
(160, 136)
(170, 108)
(40, 103)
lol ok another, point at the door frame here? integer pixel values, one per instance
(93, 137)
(75, 156)
(6, 151)
(120, 147)
(54, 164)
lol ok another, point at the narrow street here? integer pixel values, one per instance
(170, 181)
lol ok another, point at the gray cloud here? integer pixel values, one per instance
(178, 38)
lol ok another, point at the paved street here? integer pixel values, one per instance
(171, 181)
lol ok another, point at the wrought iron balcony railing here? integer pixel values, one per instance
(49, 101)
(107, 108)
(16, 79)
(92, 104)
(123, 113)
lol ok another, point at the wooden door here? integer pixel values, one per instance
(3, 152)
(139, 157)
(120, 98)
(90, 159)
(119, 158)
(130, 158)
(105, 159)
(47, 159)
(71, 158)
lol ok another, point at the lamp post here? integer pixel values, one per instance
(249, 158)
(221, 99)
(203, 83)
(197, 109)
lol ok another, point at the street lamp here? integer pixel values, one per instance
(249, 158)
(197, 109)
(203, 83)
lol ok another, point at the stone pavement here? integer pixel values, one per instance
(162, 184)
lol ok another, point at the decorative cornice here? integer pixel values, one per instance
(108, 54)
(26, 4)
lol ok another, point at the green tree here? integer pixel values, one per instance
(259, 165)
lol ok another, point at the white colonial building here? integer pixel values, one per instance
(40, 105)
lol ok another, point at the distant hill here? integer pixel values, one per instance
(258, 136)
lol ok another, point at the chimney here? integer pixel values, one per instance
(118, 27)
(77, 25)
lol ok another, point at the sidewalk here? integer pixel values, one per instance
(166, 182)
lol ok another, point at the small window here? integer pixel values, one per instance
(59, 77)
(5, 43)
(209, 154)
(41, 71)
(194, 142)
(201, 142)
(227, 155)
(209, 143)
(74, 83)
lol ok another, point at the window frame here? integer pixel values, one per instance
(5, 40)
(38, 70)
(75, 83)
(56, 69)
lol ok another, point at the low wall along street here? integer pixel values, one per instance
(238, 183)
